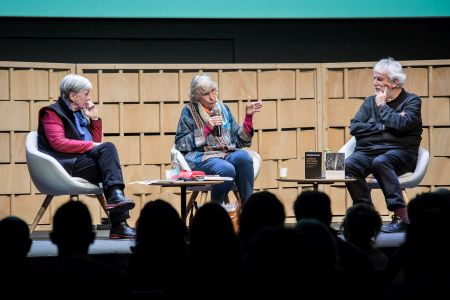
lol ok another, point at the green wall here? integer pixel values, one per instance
(285, 9)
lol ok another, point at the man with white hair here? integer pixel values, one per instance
(70, 130)
(388, 129)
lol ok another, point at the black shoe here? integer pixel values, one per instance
(117, 199)
(122, 231)
(396, 225)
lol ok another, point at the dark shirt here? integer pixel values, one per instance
(402, 122)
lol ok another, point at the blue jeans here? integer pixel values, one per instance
(238, 165)
(385, 168)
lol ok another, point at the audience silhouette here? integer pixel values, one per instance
(159, 258)
(75, 273)
(16, 244)
(215, 252)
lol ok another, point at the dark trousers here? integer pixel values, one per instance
(385, 167)
(102, 164)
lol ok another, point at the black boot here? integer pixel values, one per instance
(121, 230)
(116, 199)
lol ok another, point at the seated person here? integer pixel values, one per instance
(210, 138)
(388, 129)
(71, 131)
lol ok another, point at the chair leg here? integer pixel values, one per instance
(190, 206)
(102, 201)
(41, 212)
(405, 197)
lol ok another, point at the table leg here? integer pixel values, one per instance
(316, 186)
(183, 204)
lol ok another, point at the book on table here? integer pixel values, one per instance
(334, 165)
(313, 165)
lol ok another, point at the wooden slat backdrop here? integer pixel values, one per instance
(306, 106)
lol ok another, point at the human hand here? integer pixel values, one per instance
(91, 111)
(95, 144)
(380, 98)
(214, 121)
(253, 107)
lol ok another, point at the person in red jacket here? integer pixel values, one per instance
(70, 130)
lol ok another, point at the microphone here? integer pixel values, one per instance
(217, 130)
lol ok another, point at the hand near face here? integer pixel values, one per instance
(91, 111)
(381, 97)
(214, 121)
(253, 107)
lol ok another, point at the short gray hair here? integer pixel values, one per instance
(392, 68)
(74, 83)
(201, 84)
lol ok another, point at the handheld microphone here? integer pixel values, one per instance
(217, 130)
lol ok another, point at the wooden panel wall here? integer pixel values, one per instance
(306, 106)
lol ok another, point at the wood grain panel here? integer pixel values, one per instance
(119, 87)
(4, 147)
(19, 147)
(436, 112)
(441, 80)
(14, 115)
(417, 81)
(4, 84)
(267, 175)
(160, 87)
(93, 78)
(267, 117)
(5, 206)
(127, 147)
(238, 85)
(298, 113)
(141, 118)
(307, 84)
(437, 172)
(171, 116)
(440, 141)
(360, 83)
(157, 148)
(27, 206)
(17, 180)
(279, 145)
(307, 139)
(335, 83)
(341, 111)
(338, 199)
(277, 84)
(109, 113)
(138, 173)
(336, 139)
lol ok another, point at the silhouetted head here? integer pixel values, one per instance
(439, 199)
(315, 205)
(72, 229)
(262, 209)
(211, 231)
(159, 227)
(362, 223)
(16, 240)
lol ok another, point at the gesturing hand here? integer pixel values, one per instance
(253, 107)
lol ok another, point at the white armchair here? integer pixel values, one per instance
(51, 178)
(407, 180)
